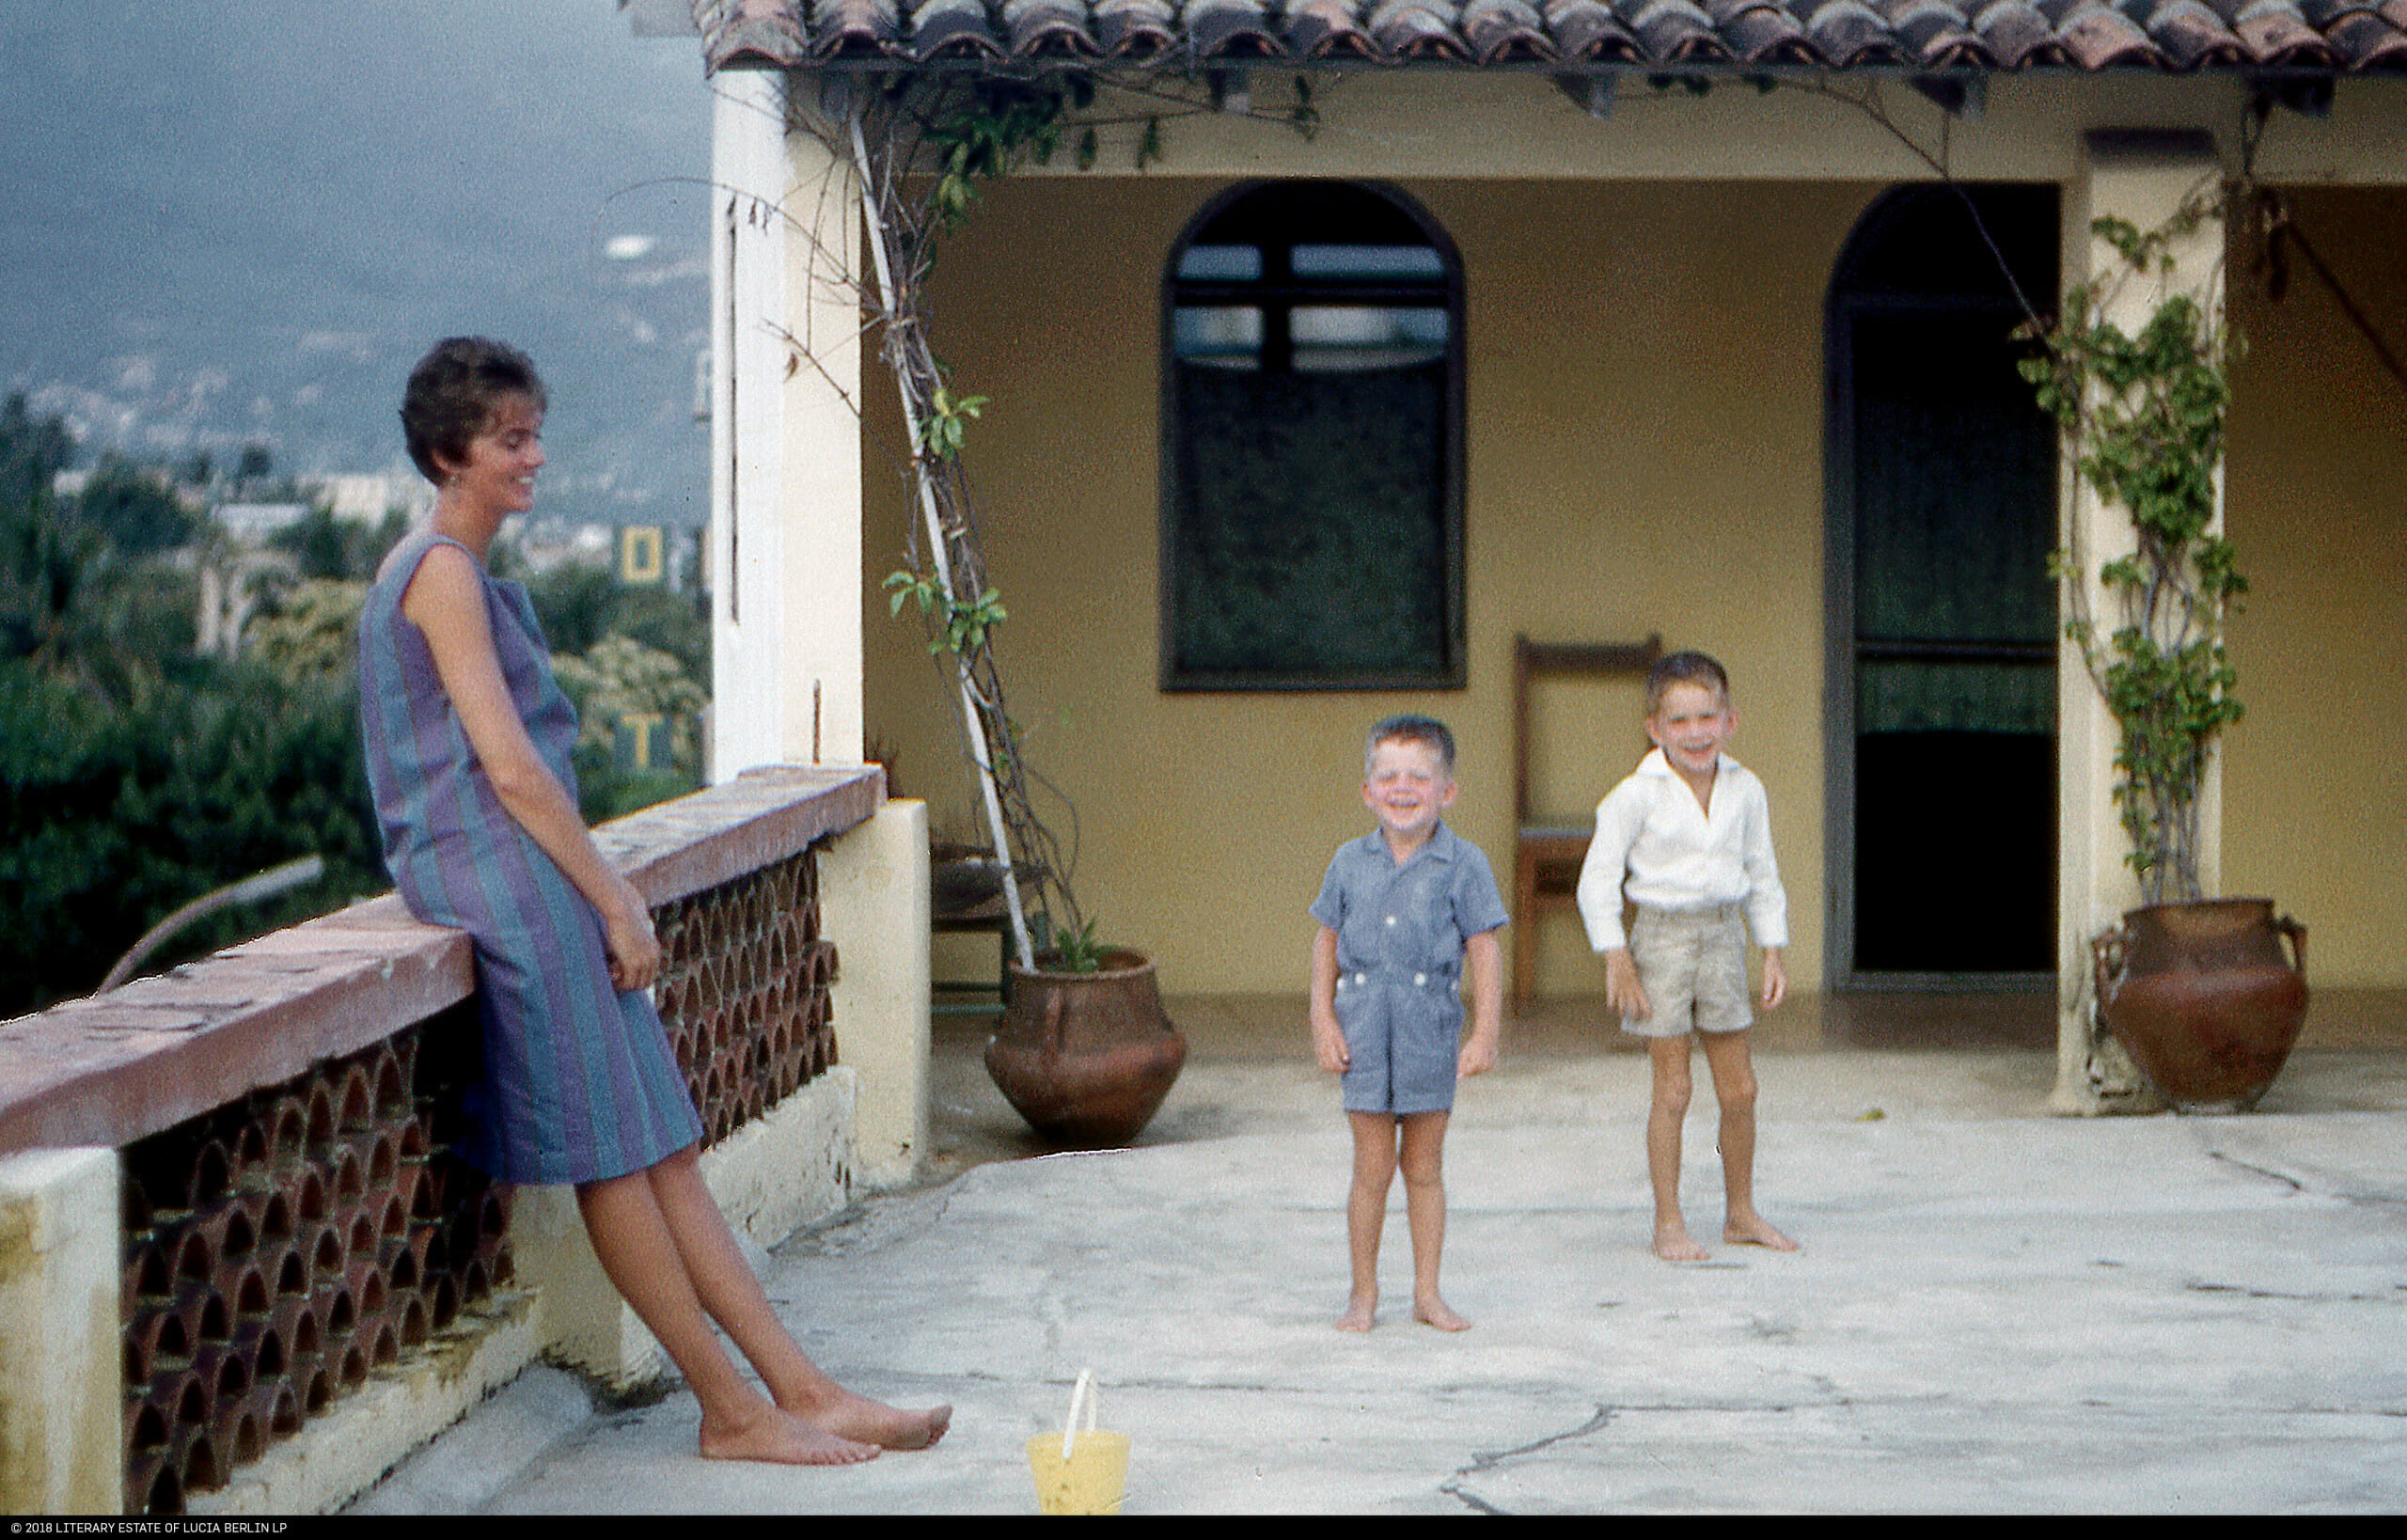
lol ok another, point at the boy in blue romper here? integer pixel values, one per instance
(1405, 912)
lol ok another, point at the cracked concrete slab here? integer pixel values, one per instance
(1994, 1310)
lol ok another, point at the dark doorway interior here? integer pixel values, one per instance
(1944, 618)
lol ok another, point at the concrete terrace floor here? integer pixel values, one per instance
(1995, 1310)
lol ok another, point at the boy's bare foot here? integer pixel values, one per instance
(779, 1437)
(1437, 1313)
(1673, 1244)
(1754, 1230)
(1358, 1315)
(856, 1418)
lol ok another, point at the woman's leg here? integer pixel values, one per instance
(1425, 1207)
(1366, 1213)
(632, 1239)
(732, 1295)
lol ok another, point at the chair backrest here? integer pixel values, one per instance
(1534, 661)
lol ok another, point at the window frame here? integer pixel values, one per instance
(1287, 293)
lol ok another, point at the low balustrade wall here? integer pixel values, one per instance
(284, 1226)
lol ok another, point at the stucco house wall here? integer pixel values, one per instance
(1644, 418)
(1645, 386)
(2315, 497)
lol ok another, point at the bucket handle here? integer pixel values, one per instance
(1083, 1393)
(2297, 932)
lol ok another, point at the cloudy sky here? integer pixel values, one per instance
(234, 221)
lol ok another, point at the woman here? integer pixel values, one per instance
(468, 740)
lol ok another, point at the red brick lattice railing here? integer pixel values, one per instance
(279, 1249)
(288, 1234)
(744, 990)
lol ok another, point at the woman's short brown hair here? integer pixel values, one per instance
(452, 393)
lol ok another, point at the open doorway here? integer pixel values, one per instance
(1940, 652)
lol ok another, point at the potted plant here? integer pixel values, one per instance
(2197, 988)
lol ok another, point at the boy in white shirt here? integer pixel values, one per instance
(1687, 839)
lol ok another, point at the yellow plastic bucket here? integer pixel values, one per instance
(1083, 1470)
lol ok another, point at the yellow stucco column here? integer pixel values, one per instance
(61, 1403)
(873, 899)
(785, 536)
(2142, 177)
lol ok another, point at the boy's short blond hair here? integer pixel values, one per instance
(1409, 729)
(1685, 668)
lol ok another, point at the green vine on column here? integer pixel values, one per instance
(2143, 418)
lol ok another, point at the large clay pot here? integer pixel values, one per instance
(1086, 1057)
(2204, 998)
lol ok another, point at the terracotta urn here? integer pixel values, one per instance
(1086, 1057)
(2204, 997)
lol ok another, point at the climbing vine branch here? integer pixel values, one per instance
(920, 147)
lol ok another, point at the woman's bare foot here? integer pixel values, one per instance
(779, 1437)
(1673, 1244)
(1437, 1313)
(1360, 1314)
(857, 1418)
(1750, 1230)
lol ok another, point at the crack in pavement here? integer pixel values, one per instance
(2246, 1292)
(2389, 1200)
(1480, 1464)
(2290, 1182)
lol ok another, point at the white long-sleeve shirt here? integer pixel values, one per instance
(1673, 854)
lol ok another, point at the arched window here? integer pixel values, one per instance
(1313, 464)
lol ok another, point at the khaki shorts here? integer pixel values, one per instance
(1693, 967)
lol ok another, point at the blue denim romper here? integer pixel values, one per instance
(1400, 935)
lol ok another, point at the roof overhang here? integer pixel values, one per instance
(2273, 40)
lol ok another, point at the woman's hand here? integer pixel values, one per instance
(627, 935)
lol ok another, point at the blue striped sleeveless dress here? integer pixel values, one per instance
(578, 1082)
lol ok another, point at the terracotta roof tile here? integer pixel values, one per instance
(1769, 36)
(838, 28)
(1933, 33)
(2191, 36)
(952, 29)
(1314, 25)
(2098, 37)
(1587, 31)
(1138, 29)
(1506, 31)
(2330, 36)
(2016, 36)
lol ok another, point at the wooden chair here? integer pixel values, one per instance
(968, 896)
(1546, 851)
